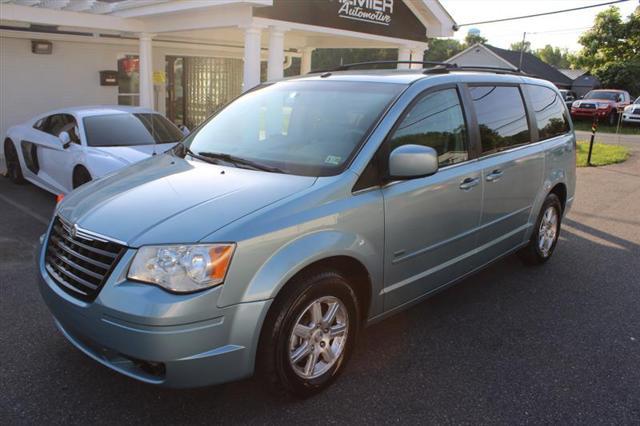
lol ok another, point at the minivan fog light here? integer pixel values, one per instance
(182, 268)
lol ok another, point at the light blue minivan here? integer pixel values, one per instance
(301, 212)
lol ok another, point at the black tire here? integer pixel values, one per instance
(14, 170)
(80, 177)
(612, 119)
(273, 364)
(533, 254)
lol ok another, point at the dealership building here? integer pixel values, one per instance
(185, 58)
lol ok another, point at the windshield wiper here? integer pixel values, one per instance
(198, 156)
(237, 161)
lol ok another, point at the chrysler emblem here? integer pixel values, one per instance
(74, 231)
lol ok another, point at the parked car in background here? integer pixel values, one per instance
(301, 212)
(606, 104)
(568, 96)
(63, 149)
(631, 113)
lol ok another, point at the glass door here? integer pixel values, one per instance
(199, 86)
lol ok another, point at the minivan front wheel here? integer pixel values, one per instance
(309, 334)
(546, 232)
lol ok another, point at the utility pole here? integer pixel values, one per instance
(524, 36)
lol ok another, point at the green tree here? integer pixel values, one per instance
(328, 58)
(555, 56)
(611, 50)
(441, 49)
(517, 46)
(473, 38)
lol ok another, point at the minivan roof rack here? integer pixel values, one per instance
(436, 67)
(471, 68)
(346, 67)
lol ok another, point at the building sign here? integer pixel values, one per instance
(390, 18)
(374, 11)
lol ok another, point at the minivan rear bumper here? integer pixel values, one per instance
(185, 353)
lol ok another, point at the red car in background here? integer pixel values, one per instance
(607, 104)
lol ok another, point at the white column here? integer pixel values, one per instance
(275, 64)
(251, 72)
(417, 55)
(404, 54)
(146, 71)
(305, 60)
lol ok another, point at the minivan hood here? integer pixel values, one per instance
(134, 153)
(169, 200)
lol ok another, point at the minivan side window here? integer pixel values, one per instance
(437, 121)
(548, 107)
(502, 117)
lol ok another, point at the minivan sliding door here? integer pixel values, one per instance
(512, 169)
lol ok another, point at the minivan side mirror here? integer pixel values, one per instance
(65, 139)
(412, 161)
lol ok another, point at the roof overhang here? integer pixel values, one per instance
(166, 16)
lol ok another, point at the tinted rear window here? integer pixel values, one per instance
(501, 117)
(130, 129)
(551, 115)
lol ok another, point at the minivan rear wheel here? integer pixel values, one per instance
(545, 234)
(309, 334)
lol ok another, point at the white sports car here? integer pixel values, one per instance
(60, 150)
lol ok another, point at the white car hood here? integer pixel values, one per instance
(133, 154)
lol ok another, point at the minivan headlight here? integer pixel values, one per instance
(182, 268)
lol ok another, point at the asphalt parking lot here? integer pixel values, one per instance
(556, 344)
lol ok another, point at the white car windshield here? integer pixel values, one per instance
(130, 129)
(308, 128)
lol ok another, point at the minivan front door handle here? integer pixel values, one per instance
(494, 176)
(469, 183)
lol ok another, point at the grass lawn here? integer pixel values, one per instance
(626, 129)
(602, 154)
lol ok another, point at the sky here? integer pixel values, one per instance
(562, 30)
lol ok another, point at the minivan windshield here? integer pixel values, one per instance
(600, 94)
(130, 129)
(309, 128)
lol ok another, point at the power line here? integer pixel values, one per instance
(566, 30)
(456, 27)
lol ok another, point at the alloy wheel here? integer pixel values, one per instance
(319, 337)
(548, 231)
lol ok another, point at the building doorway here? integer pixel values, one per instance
(199, 86)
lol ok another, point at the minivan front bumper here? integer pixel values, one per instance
(156, 337)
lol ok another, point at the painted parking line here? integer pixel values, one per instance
(25, 210)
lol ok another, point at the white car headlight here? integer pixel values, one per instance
(575, 104)
(182, 268)
(603, 105)
(628, 108)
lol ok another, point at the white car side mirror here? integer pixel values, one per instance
(184, 129)
(65, 139)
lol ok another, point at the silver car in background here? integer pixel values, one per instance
(300, 213)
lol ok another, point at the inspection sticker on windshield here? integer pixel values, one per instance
(333, 159)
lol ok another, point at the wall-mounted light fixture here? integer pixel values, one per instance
(108, 78)
(41, 47)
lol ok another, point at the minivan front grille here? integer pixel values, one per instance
(79, 263)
